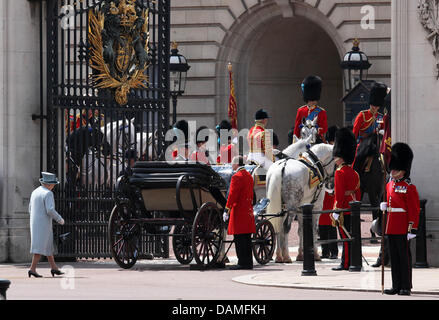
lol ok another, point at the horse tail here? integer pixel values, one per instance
(274, 194)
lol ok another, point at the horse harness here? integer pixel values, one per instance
(315, 166)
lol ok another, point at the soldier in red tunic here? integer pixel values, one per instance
(200, 155)
(346, 189)
(403, 209)
(326, 230)
(368, 121)
(227, 150)
(260, 141)
(311, 90)
(239, 209)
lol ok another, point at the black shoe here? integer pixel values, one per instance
(149, 256)
(339, 268)
(404, 292)
(56, 272)
(219, 265)
(391, 292)
(377, 264)
(36, 275)
(333, 256)
(239, 267)
(325, 256)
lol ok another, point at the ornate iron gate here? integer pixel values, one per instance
(107, 93)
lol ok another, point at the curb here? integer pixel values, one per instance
(248, 280)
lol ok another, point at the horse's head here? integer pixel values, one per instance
(298, 147)
(324, 153)
(309, 129)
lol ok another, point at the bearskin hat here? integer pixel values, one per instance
(378, 94)
(330, 135)
(200, 138)
(224, 125)
(345, 145)
(401, 158)
(131, 154)
(183, 126)
(312, 88)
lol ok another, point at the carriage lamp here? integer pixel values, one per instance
(356, 65)
(178, 68)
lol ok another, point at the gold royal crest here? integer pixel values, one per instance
(119, 55)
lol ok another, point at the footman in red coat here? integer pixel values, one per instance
(239, 209)
(403, 209)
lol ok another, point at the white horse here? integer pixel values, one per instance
(293, 151)
(99, 170)
(288, 188)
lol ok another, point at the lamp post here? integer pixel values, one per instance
(356, 65)
(178, 68)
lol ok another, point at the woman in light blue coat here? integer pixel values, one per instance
(42, 212)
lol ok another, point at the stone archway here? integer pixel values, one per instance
(272, 54)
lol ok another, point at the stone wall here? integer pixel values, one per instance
(213, 32)
(19, 135)
(415, 110)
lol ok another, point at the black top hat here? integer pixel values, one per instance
(401, 158)
(378, 94)
(345, 145)
(262, 114)
(330, 135)
(312, 88)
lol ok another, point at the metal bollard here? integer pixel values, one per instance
(356, 263)
(4, 285)
(421, 239)
(308, 242)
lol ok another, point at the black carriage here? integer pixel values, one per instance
(189, 197)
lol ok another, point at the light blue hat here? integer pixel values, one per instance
(48, 178)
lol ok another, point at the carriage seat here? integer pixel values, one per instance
(163, 174)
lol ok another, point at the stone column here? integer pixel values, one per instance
(19, 135)
(415, 111)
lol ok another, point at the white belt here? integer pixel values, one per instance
(395, 210)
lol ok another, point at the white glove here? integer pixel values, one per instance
(411, 236)
(330, 191)
(381, 132)
(383, 206)
(62, 221)
(335, 216)
(225, 216)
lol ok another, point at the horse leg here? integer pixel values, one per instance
(315, 225)
(285, 250)
(279, 245)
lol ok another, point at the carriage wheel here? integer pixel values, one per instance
(207, 235)
(181, 244)
(124, 237)
(264, 242)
